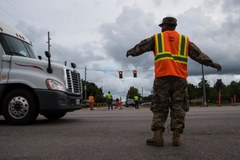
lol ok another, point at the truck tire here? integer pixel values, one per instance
(54, 115)
(20, 107)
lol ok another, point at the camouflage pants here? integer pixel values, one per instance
(169, 93)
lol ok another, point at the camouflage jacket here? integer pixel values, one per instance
(148, 45)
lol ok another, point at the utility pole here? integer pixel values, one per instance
(142, 91)
(48, 42)
(204, 89)
(85, 83)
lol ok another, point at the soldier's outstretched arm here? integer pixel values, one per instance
(142, 47)
(197, 55)
(216, 66)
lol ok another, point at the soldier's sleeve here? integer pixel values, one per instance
(142, 47)
(197, 55)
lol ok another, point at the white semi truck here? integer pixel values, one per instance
(30, 86)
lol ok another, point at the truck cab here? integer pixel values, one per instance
(30, 86)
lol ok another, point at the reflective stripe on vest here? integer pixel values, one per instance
(161, 54)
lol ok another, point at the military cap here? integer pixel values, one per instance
(169, 20)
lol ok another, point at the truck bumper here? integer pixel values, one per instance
(57, 100)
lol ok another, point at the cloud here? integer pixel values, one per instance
(97, 34)
(219, 41)
(130, 27)
(157, 2)
(82, 54)
(214, 38)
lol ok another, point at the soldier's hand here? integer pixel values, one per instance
(128, 53)
(217, 66)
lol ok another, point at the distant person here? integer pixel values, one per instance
(171, 50)
(109, 100)
(136, 98)
(91, 101)
(118, 103)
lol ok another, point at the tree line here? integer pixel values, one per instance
(219, 93)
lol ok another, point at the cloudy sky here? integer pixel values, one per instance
(97, 34)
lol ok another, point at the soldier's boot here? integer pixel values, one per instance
(157, 139)
(176, 141)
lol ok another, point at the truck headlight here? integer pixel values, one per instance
(54, 85)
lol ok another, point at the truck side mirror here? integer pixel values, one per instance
(48, 55)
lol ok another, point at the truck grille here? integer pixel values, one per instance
(73, 82)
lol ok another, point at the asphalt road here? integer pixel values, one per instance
(211, 133)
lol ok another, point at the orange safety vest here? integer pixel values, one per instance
(91, 99)
(171, 54)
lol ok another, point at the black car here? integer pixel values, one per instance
(130, 102)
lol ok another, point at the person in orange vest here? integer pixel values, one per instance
(118, 103)
(91, 101)
(171, 50)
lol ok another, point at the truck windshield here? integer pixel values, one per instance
(17, 47)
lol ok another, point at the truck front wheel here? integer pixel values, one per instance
(19, 107)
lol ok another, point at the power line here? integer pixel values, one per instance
(19, 11)
(116, 70)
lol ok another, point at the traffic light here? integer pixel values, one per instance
(120, 74)
(135, 73)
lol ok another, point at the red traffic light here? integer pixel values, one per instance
(120, 73)
(135, 73)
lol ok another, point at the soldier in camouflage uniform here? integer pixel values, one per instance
(170, 90)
